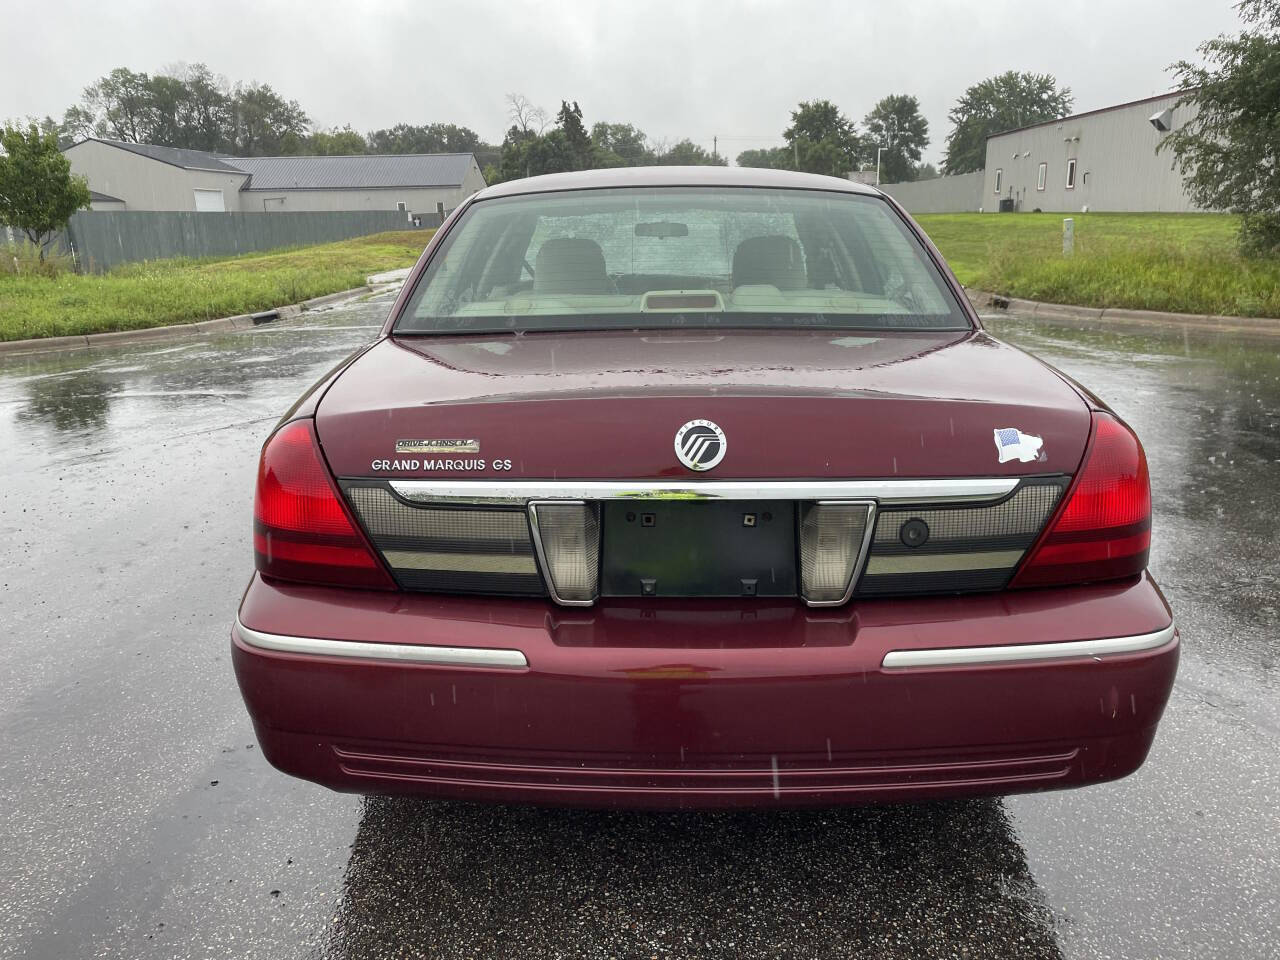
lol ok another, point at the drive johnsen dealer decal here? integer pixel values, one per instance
(433, 463)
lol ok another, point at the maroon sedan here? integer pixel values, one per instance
(699, 487)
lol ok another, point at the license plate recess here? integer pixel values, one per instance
(692, 548)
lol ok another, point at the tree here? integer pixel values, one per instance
(533, 156)
(686, 153)
(167, 97)
(38, 193)
(205, 118)
(895, 124)
(184, 106)
(569, 120)
(122, 105)
(343, 142)
(266, 123)
(823, 140)
(924, 171)
(528, 153)
(999, 103)
(429, 138)
(530, 120)
(776, 158)
(1229, 151)
(77, 124)
(621, 145)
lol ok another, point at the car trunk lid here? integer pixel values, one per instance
(607, 405)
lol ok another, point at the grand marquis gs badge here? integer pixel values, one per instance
(700, 444)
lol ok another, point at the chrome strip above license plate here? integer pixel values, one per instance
(963, 490)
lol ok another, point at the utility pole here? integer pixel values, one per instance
(715, 143)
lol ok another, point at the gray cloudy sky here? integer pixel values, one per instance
(689, 68)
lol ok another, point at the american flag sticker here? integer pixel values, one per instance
(1013, 444)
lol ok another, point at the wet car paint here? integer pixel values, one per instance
(138, 818)
(815, 403)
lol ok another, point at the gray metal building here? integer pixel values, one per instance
(139, 176)
(1100, 160)
(961, 193)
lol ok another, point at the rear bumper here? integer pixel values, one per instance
(705, 703)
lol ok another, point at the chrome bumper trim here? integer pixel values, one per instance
(1025, 652)
(399, 652)
(885, 491)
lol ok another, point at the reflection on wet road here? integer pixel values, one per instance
(472, 881)
(138, 819)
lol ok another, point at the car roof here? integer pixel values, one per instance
(674, 177)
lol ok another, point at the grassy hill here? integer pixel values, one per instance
(1186, 263)
(162, 292)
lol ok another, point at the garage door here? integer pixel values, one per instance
(209, 201)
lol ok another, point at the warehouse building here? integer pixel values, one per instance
(140, 176)
(1099, 160)
(1102, 160)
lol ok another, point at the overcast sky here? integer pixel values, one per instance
(689, 68)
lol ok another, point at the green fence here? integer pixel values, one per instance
(102, 239)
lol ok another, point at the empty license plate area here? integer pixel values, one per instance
(723, 548)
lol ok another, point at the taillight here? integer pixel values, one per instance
(1103, 531)
(301, 528)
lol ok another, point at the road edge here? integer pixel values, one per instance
(1116, 318)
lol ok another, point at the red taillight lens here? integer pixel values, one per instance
(301, 529)
(1103, 531)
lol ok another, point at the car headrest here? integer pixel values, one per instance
(570, 265)
(775, 260)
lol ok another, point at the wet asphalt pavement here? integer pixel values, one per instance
(138, 820)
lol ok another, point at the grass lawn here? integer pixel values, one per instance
(183, 291)
(1186, 263)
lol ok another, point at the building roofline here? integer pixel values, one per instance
(125, 145)
(1090, 113)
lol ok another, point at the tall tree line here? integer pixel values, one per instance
(191, 106)
(894, 134)
(535, 144)
(821, 139)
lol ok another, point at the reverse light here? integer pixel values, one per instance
(301, 529)
(567, 537)
(1103, 530)
(833, 539)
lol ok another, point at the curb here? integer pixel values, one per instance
(242, 321)
(1118, 318)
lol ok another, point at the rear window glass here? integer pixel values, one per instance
(679, 256)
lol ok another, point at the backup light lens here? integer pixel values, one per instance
(301, 530)
(1103, 531)
(567, 536)
(832, 537)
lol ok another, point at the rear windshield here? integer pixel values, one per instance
(679, 257)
